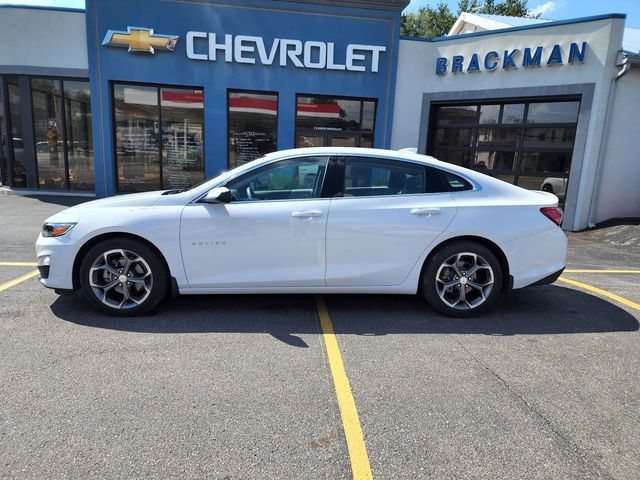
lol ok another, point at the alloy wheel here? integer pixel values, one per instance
(464, 281)
(121, 279)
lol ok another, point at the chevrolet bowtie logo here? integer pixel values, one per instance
(140, 39)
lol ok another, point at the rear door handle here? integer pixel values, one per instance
(426, 211)
(307, 214)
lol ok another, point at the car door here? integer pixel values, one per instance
(383, 220)
(271, 234)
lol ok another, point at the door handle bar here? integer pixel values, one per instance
(307, 214)
(427, 211)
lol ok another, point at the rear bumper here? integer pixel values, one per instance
(549, 278)
(537, 259)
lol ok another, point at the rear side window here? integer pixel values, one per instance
(455, 182)
(366, 177)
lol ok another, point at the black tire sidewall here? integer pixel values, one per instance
(158, 270)
(434, 262)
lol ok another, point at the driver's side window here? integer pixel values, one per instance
(290, 179)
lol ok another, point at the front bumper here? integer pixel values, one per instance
(58, 274)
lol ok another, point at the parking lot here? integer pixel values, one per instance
(227, 387)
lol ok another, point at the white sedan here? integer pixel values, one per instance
(317, 220)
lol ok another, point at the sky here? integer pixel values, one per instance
(563, 9)
(551, 9)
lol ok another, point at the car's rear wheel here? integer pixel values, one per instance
(123, 277)
(462, 279)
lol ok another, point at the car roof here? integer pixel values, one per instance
(374, 152)
(480, 180)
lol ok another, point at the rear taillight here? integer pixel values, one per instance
(554, 214)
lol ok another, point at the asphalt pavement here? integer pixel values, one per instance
(229, 387)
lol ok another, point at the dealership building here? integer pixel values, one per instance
(157, 94)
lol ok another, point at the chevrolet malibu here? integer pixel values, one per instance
(317, 220)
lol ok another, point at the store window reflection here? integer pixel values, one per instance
(151, 124)
(182, 137)
(136, 127)
(79, 137)
(334, 122)
(253, 126)
(15, 140)
(48, 133)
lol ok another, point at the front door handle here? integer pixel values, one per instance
(307, 214)
(426, 211)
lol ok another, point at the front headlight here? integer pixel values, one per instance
(56, 229)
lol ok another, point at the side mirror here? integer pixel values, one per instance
(217, 195)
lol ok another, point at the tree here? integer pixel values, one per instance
(428, 22)
(432, 22)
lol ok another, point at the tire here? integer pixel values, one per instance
(103, 281)
(442, 283)
(547, 188)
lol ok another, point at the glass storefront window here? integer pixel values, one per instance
(489, 114)
(513, 113)
(331, 121)
(48, 129)
(498, 136)
(4, 138)
(137, 133)
(454, 136)
(61, 154)
(143, 136)
(500, 161)
(553, 112)
(553, 137)
(253, 126)
(456, 114)
(79, 135)
(15, 141)
(182, 137)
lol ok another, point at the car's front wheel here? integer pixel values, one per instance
(123, 277)
(462, 279)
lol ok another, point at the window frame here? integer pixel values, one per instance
(228, 116)
(158, 87)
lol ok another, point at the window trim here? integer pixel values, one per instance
(158, 87)
(228, 115)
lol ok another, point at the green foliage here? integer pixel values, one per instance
(428, 22)
(432, 22)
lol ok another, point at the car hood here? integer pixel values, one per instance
(145, 199)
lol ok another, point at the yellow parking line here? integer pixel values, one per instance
(16, 281)
(350, 422)
(604, 293)
(602, 271)
(18, 264)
